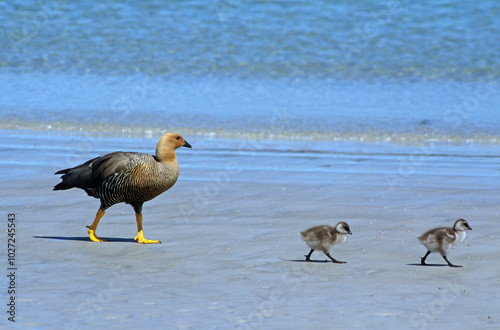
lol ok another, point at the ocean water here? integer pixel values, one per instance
(400, 72)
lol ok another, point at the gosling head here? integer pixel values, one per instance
(343, 228)
(461, 225)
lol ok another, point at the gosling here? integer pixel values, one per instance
(443, 239)
(324, 237)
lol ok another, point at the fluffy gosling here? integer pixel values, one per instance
(443, 239)
(324, 237)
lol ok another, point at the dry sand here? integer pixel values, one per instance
(231, 256)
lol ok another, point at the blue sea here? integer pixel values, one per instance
(397, 72)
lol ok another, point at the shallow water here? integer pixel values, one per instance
(414, 113)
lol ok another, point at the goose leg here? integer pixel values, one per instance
(93, 227)
(140, 234)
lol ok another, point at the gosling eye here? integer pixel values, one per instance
(178, 137)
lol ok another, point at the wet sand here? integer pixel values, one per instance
(231, 256)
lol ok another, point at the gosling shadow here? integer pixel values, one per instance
(311, 261)
(428, 265)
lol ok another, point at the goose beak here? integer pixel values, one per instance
(187, 145)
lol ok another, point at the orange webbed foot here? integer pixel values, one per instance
(140, 239)
(94, 237)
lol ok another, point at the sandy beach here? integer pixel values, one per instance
(231, 256)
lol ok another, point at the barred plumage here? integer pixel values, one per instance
(130, 177)
(144, 181)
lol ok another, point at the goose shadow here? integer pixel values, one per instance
(87, 239)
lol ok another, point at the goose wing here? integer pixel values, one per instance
(91, 173)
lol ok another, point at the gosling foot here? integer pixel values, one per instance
(449, 263)
(335, 260)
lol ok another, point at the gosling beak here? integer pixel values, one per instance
(187, 145)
